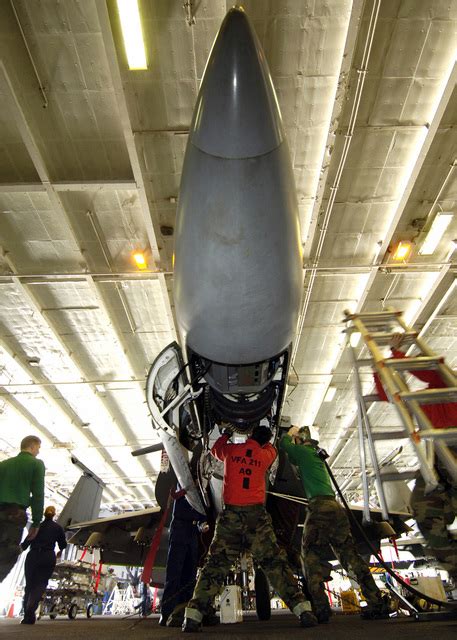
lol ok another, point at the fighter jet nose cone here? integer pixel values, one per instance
(237, 115)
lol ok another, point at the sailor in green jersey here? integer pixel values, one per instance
(327, 524)
(21, 486)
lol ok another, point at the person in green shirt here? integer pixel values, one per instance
(21, 486)
(327, 525)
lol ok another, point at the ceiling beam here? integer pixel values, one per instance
(98, 185)
(64, 414)
(136, 161)
(429, 131)
(342, 86)
(124, 430)
(57, 205)
(24, 413)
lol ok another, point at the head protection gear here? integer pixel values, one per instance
(261, 434)
(304, 434)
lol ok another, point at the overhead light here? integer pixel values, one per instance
(440, 224)
(355, 338)
(140, 260)
(330, 394)
(100, 388)
(132, 33)
(402, 250)
(34, 361)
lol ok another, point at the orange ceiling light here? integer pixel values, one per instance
(402, 251)
(140, 260)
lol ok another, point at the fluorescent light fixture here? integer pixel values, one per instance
(132, 33)
(440, 224)
(140, 260)
(330, 394)
(402, 250)
(355, 338)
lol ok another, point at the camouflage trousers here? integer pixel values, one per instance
(434, 512)
(12, 522)
(248, 529)
(327, 525)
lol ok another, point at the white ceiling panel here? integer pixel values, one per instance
(371, 123)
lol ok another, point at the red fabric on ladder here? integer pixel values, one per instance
(150, 558)
(442, 415)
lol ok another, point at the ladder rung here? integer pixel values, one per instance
(389, 435)
(414, 364)
(373, 316)
(383, 338)
(364, 362)
(431, 396)
(448, 435)
(372, 397)
(400, 475)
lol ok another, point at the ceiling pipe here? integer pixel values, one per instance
(40, 84)
(116, 276)
(104, 250)
(334, 188)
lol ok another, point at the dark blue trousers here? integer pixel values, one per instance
(39, 567)
(182, 562)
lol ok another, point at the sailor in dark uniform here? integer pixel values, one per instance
(182, 560)
(40, 562)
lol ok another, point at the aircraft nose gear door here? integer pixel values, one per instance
(167, 390)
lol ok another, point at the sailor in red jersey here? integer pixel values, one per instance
(435, 511)
(245, 526)
(245, 467)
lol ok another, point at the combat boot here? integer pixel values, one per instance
(191, 626)
(378, 611)
(210, 620)
(192, 620)
(307, 619)
(323, 615)
(175, 621)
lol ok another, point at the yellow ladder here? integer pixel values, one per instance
(377, 330)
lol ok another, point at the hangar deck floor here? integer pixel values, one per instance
(281, 624)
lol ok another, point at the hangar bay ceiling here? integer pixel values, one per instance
(90, 162)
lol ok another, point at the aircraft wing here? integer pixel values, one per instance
(124, 539)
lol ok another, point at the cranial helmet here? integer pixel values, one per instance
(304, 433)
(261, 434)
